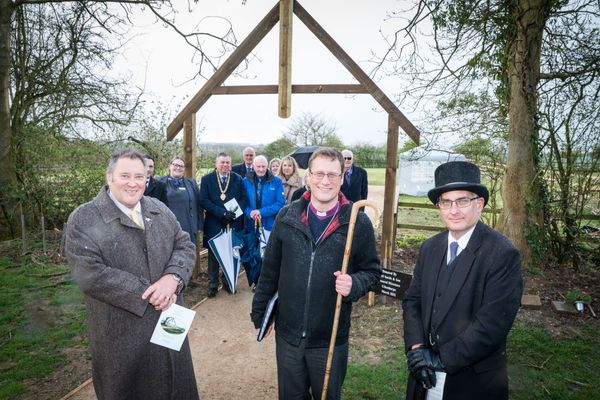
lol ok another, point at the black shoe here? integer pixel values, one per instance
(212, 293)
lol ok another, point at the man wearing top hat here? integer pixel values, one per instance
(463, 297)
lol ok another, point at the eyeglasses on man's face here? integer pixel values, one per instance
(348, 158)
(462, 202)
(177, 165)
(320, 175)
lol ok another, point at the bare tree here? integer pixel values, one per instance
(503, 49)
(55, 58)
(312, 130)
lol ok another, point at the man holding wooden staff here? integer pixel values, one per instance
(464, 296)
(302, 263)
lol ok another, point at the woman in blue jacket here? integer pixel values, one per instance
(265, 195)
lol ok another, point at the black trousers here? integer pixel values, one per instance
(300, 371)
(214, 271)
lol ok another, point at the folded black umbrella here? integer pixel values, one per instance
(302, 154)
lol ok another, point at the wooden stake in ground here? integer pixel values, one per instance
(338, 304)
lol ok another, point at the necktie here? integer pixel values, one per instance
(248, 170)
(223, 180)
(347, 176)
(453, 250)
(135, 218)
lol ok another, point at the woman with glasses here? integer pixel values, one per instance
(183, 195)
(290, 178)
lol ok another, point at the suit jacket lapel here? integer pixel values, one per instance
(433, 264)
(462, 267)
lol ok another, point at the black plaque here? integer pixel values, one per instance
(393, 283)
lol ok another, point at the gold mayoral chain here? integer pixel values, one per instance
(223, 195)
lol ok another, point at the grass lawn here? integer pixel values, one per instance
(540, 367)
(42, 313)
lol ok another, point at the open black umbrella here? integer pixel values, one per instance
(302, 154)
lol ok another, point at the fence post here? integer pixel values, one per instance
(23, 234)
(43, 234)
(61, 248)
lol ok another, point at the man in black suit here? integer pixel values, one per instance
(356, 184)
(245, 167)
(464, 296)
(154, 188)
(216, 189)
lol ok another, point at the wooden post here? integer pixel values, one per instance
(189, 146)
(23, 234)
(189, 155)
(286, 14)
(43, 234)
(387, 231)
(61, 248)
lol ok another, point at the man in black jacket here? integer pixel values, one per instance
(154, 188)
(464, 296)
(356, 182)
(216, 189)
(302, 263)
(245, 167)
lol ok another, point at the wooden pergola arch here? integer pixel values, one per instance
(283, 13)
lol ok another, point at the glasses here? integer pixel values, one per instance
(463, 202)
(178, 165)
(347, 158)
(320, 175)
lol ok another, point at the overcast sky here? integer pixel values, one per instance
(161, 62)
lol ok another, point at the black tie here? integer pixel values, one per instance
(223, 179)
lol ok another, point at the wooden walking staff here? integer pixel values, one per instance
(338, 304)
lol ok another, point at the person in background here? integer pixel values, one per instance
(289, 177)
(217, 188)
(463, 298)
(302, 263)
(242, 169)
(184, 198)
(302, 189)
(154, 187)
(356, 184)
(131, 260)
(275, 166)
(265, 195)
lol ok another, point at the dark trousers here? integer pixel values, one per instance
(300, 371)
(213, 272)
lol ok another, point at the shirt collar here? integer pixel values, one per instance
(124, 208)
(463, 241)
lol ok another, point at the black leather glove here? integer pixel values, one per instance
(228, 217)
(425, 377)
(424, 357)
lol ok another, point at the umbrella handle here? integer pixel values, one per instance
(338, 304)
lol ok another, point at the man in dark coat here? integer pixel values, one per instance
(216, 189)
(154, 188)
(302, 262)
(131, 259)
(464, 296)
(356, 183)
(245, 167)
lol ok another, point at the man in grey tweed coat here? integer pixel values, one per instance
(131, 259)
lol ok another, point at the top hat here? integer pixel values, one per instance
(457, 175)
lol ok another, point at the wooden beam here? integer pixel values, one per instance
(189, 146)
(238, 55)
(357, 72)
(286, 15)
(387, 230)
(298, 89)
